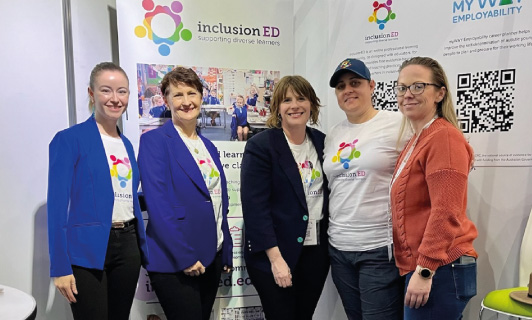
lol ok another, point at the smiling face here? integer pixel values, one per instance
(184, 103)
(240, 101)
(157, 100)
(109, 95)
(294, 110)
(419, 108)
(354, 94)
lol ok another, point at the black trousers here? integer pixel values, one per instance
(108, 294)
(185, 297)
(299, 301)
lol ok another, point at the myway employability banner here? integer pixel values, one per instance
(483, 45)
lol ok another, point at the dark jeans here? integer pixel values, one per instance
(185, 297)
(453, 286)
(299, 301)
(368, 283)
(108, 293)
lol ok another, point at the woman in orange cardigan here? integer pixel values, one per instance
(433, 237)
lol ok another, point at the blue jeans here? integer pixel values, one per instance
(368, 283)
(453, 286)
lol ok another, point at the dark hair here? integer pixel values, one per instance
(99, 68)
(301, 87)
(181, 75)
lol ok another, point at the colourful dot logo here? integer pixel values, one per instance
(208, 169)
(308, 173)
(121, 170)
(350, 150)
(378, 17)
(163, 13)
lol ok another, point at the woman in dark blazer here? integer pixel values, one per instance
(284, 203)
(186, 194)
(95, 228)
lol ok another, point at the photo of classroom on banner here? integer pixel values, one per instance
(235, 105)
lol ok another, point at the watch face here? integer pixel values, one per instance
(425, 273)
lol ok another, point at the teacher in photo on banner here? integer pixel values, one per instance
(95, 227)
(433, 237)
(284, 203)
(186, 196)
(360, 155)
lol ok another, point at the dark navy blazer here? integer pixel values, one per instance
(81, 199)
(273, 200)
(181, 227)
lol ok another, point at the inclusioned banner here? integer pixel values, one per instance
(237, 48)
(484, 46)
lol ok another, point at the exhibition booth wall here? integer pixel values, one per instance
(315, 35)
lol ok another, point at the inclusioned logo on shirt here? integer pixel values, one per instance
(121, 170)
(315, 174)
(351, 149)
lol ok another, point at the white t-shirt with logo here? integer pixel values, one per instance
(121, 177)
(211, 176)
(359, 160)
(311, 174)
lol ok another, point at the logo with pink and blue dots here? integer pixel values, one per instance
(121, 170)
(346, 152)
(154, 12)
(382, 13)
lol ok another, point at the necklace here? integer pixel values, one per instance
(192, 144)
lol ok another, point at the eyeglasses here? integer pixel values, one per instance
(415, 88)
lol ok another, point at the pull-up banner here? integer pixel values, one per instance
(237, 48)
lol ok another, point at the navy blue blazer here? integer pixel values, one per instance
(273, 199)
(181, 227)
(81, 199)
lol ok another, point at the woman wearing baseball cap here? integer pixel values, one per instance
(359, 158)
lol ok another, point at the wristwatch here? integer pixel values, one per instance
(425, 273)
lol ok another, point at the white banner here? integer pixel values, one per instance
(237, 48)
(483, 45)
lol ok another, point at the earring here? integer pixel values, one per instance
(279, 117)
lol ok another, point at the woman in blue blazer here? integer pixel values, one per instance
(284, 203)
(186, 194)
(96, 232)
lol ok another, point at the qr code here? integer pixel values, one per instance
(242, 313)
(383, 96)
(485, 101)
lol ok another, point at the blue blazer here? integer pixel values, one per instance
(181, 228)
(273, 200)
(81, 199)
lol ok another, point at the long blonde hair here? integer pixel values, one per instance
(445, 108)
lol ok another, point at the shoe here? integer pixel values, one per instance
(213, 122)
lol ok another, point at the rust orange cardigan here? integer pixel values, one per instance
(429, 201)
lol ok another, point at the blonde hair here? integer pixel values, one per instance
(99, 68)
(445, 108)
(301, 87)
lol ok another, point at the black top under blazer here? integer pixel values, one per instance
(273, 200)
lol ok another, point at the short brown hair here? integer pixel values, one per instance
(300, 86)
(181, 75)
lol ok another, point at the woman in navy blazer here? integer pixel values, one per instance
(186, 194)
(96, 231)
(284, 203)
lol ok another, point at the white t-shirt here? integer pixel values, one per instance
(359, 160)
(121, 177)
(211, 176)
(311, 176)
